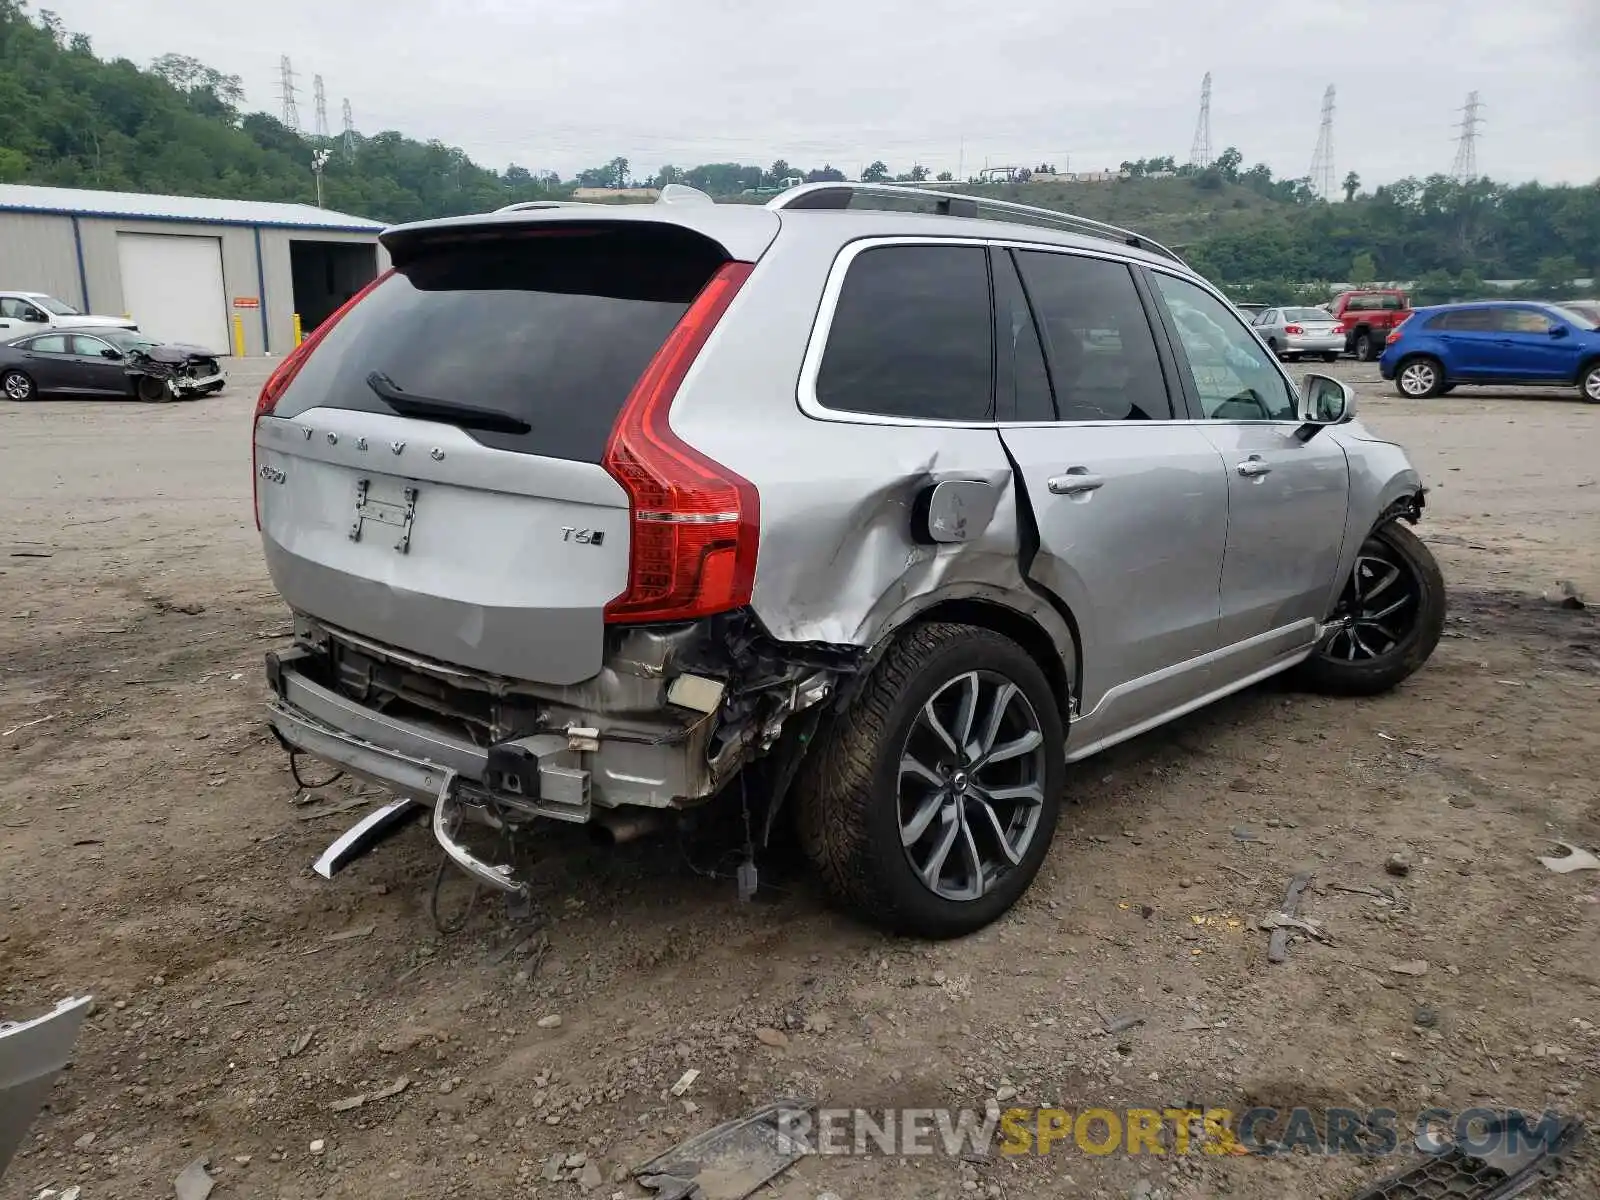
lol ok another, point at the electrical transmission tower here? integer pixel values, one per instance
(320, 97)
(288, 93)
(1465, 166)
(349, 134)
(1322, 157)
(1200, 152)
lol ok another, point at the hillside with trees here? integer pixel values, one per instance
(70, 118)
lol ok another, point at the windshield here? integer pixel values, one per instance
(125, 339)
(52, 305)
(1306, 314)
(1584, 316)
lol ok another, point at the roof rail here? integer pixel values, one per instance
(536, 205)
(956, 204)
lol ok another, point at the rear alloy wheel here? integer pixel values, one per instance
(928, 807)
(1419, 379)
(18, 386)
(1589, 385)
(1388, 620)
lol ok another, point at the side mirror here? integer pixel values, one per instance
(1324, 401)
(111, 352)
(34, 315)
(1558, 331)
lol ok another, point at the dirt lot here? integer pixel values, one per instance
(153, 853)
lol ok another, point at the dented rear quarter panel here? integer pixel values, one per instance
(837, 561)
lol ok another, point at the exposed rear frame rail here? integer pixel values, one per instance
(957, 204)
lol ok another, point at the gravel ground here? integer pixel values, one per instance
(156, 853)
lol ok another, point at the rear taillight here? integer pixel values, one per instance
(283, 375)
(695, 524)
(1293, 329)
(1394, 334)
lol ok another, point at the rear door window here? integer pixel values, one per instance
(912, 336)
(1021, 382)
(552, 327)
(1522, 320)
(1102, 354)
(50, 343)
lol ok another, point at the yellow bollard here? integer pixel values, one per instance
(238, 335)
(299, 334)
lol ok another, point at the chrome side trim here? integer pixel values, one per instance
(364, 835)
(445, 818)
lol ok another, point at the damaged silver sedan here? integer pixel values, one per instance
(880, 505)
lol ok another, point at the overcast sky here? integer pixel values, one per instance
(954, 84)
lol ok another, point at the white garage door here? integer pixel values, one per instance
(172, 286)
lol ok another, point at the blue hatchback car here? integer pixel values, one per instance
(1493, 342)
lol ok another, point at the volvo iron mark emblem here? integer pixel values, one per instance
(397, 447)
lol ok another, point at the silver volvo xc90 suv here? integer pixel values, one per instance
(881, 505)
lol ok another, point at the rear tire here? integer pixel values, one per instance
(1589, 384)
(1332, 356)
(1419, 377)
(1388, 621)
(1364, 345)
(882, 789)
(18, 386)
(1272, 345)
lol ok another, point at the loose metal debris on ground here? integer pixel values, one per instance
(728, 1162)
(1450, 1173)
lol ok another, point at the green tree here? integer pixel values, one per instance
(1363, 269)
(1352, 185)
(1228, 163)
(945, 177)
(877, 172)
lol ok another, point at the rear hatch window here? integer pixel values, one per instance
(547, 330)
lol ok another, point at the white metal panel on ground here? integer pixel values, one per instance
(172, 286)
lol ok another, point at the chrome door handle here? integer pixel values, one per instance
(1253, 468)
(1075, 483)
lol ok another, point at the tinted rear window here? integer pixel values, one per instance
(553, 328)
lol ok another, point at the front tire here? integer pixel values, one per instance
(1388, 621)
(18, 386)
(1589, 385)
(151, 390)
(928, 807)
(1419, 378)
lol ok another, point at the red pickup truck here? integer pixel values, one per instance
(1367, 317)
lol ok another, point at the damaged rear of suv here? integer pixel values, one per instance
(584, 514)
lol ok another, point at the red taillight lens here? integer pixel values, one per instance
(283, 375)
(695, 523)
(1394, 334)
(1293, 329)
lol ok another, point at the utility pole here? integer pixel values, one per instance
(319, 159)
(320, 97)
(1200, 151)
(1322, 158)
(287, 92)
(349, 134)
(1465, 167)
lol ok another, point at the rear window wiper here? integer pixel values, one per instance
(428, 408)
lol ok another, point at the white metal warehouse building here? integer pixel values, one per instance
(183, 266)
